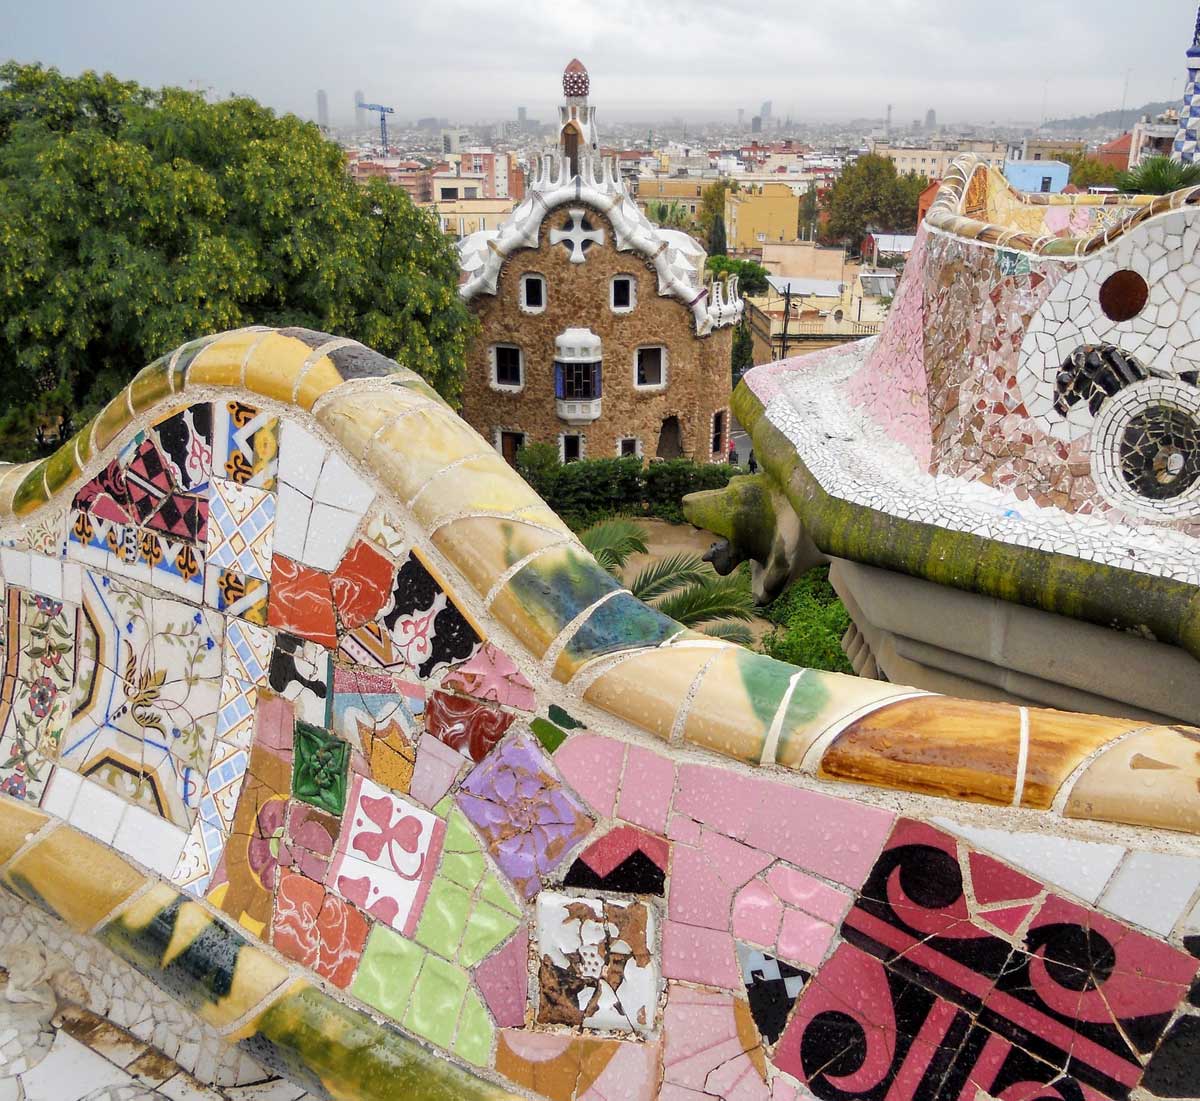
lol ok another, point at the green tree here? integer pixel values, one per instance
(683, 586)
(809, 621)
(810, 208)
(132, 220)
(752, 276)
(672, 215)
(870, 195)
(1159, 176)
(712, 205)
(742, 358)
(1088, 172)
(716, 237)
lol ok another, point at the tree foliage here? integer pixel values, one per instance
(1159, 176)
(1089, 172)
(809, 621)
(752, 276)
(871, 195)
(742, 356)
(712, 205)
(132, 220)
(716, 236)
(670, 215)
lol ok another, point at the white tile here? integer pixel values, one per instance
(1152, 889)
(301, 456)
(183, 1087)
(340, 486)
(70, 1070)
(72, 583)
(329, 532)
(60, 794)
(15, 565)
(292, 511)
(98, 811)
(46, 576)
(150, 840)
(1080, 867)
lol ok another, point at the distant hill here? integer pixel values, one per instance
(1108, 120)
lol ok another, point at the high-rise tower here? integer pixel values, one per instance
(1189, 110)
(322, 109)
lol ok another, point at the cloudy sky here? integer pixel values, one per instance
(649, 59)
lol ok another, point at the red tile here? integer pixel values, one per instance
(362, 585)
(301, 601)
(467, 725)
(318, 929)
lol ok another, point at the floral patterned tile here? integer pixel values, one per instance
(492, 675)
(319, 765)
(529, 821)
(185, 440)
(387, 855)
(245, 445)
(236, 594)
(241, 527)
(376, 712)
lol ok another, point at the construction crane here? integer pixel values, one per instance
(383, 114)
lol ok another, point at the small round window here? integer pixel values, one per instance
(1123, 295)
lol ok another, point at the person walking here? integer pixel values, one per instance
(753, 462)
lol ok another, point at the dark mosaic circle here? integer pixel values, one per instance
(930, 877)
(1123, 295)
(834, 1045)
(1159, 452)
(1076, 958)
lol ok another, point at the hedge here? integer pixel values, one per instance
(588, 490)
(809, 621)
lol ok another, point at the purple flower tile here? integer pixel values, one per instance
(528, 819)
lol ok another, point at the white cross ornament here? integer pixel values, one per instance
(577, 236)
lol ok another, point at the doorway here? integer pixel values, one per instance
(510, 444)
(670, 439)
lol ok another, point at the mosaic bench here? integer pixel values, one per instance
(316, 716)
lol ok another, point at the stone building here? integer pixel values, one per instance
(598, 330)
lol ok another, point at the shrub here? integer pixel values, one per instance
(810, 622)
(589, 490)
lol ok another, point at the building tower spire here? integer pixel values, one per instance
(577, 120)
(1186, 139)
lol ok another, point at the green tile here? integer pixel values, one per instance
(433, 1009)
(561, 718)
(445, 806)
(463, 860)
(488, 928)
(61, 468)
(495, 892)
(319, 768)
(444, 917)
(548, 734)
(31, 492)
(151, 384)
(475, 1032)
(387, 971)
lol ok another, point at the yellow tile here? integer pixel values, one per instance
(151, 385)
(958, 749)
(11, 476)
(819, 700)
(254, 977)
(274, 366)
(32, 491)
(356, 415)
(17, 824)
(649, 689)
(485, 483)
(318, 379)
(1149, 779)
(112, 420)
(77, 878)
(1058, 742)
(736, 702)
(483, 547)
(220, 363)
(410, 452)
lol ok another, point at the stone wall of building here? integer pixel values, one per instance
(578, 295)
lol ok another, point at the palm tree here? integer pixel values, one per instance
(682, 586)
(1158, 176)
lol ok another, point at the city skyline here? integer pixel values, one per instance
(648, 62)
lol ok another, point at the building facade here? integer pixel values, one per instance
(597, 331)
(757, 216)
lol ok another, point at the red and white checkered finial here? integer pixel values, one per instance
(575, 79)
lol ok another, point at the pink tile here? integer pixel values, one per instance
(436, 767)
(732, 862)
(630, 1075)
(1009, 918)
(716, 797)
(697, 895)
(756, 914)
(738, 1080)
(808, 894)
(502, 980)
(836, 838)
(647, 790)
(803, 939)
(685, 829)
(699, 955)
(591, 764)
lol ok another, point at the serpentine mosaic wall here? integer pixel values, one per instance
(1053, 352)
(317, 717)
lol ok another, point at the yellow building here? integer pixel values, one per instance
(460, 217)
(687, 191)
(933, 161)
(754, 217)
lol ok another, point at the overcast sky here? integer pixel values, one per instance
(649, 59)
